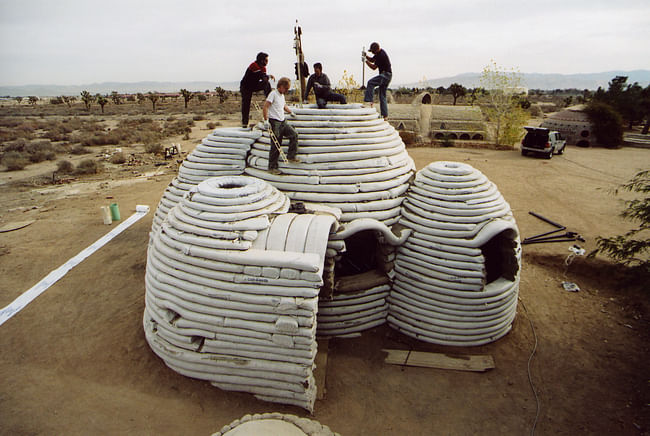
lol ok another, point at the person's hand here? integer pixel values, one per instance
(317, 85)
(292, 114)
(266, 125)
(305, 102)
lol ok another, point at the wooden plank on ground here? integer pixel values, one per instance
(478, 363)
(320, 372)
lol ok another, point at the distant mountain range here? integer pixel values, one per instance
(544, 81)
(108, 87)
(469, 80)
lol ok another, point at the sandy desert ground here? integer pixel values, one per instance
(75, 360)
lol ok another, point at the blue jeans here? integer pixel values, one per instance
(382, 81)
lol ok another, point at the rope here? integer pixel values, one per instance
(530, 358)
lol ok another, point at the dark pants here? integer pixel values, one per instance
(321, 100)
(280, 130)
(247, 94)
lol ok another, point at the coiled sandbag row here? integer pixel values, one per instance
(439, 293)
(222, 152)
(350, 158)
(232, 285)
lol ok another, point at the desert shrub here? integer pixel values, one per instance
(212, 125)
(15, 145)
(118, 158)
(87, 166)
(171, 118)
(101, 138)
(632, 248)
(178, 127)
(14, 160)
(79, 149)
(40, 151)
(154, 148)
(65, 166)
(535, 110)
(607, 124)
(447, 141)
(198, 117)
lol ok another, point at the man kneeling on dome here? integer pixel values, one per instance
(273, 112)
(322, 88)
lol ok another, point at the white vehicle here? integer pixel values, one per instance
(544, 141)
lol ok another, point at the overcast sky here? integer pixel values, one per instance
(75, 42)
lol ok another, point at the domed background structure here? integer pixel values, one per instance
(574, 125)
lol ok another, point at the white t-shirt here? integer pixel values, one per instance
(276, 110)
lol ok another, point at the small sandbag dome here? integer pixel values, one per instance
(232, 285)
(280, 424)
(457, 275)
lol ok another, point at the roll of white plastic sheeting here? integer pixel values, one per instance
(231, 288)
(439, 293)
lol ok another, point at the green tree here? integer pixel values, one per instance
(141, 98)
(87, 98)
(607, 123)
(502, 108)
(187, 96)
(201, 98)
(101, 101)
(68, 99)
(117, 99)
(18, 99)
(645, 107)
(631, 248)
(32, 100)
(153, 96)
(457, 90)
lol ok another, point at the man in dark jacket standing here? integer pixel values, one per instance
(322, 88)
(255, 79)
(379, 60)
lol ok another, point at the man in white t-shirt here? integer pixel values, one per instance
(273, 111)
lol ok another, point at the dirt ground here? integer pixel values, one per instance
(75, 360)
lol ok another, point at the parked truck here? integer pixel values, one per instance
(543, 141)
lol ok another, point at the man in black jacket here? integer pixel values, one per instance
(379, 60)
(255, 79)
(322, 88)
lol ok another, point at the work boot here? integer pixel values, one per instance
(275, 171)
(294, 159)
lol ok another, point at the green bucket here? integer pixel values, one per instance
(115, 212)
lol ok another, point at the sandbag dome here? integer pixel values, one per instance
(232, 284)
(457, 275)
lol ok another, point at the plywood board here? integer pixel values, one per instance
(479, 363)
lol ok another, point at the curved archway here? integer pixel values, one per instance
(439, 135)
(477, 137)
(426, 99)
(464, 136)
(400, 126)
(452, 136)
(584, 133)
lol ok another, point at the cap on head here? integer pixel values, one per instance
(374, 47)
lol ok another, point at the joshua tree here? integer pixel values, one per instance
(116, 97)
(87, 98)
(32, 100)
(18, 99)
(101, 101)
(187, 96)
(153, 96)
(222, 93)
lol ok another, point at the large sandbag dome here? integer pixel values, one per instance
(232, 286)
